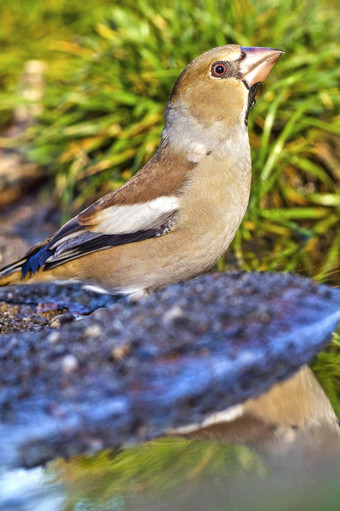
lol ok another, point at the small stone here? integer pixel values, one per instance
(55, 323)
(117, 325)
(61, 319)
(119, 352)
(69, 364)
(54, 337)
(174, 313)
(93, 331)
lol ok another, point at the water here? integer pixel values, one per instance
(293, 463)
(174, 474)
(28, 490)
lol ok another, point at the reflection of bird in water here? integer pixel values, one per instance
(293, 417)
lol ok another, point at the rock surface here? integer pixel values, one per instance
(130, 371)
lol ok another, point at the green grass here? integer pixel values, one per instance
(107, 89)
(31, 28)
(158, 469)
(181, 474)
(327, 370)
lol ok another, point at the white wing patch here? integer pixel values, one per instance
(135, 217)
(228, 415)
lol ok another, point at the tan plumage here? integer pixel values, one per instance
(293, 417)
(179, 213)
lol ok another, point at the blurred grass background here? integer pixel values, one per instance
(110, 70)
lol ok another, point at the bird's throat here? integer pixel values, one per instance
(251, 100)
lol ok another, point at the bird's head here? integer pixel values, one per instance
(219, 86)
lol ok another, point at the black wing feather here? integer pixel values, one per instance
(49, 254)
(102, 242)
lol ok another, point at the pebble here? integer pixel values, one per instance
(69, 364)
(93, 331)
(174, 313)
(54, 337)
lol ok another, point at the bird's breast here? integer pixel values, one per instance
(215, 200)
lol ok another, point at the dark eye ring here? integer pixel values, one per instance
(218, 69)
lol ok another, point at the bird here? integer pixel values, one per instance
(178, 214)
(293, 419)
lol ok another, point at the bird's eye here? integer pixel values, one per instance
(219, 69)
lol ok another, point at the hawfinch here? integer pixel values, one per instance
(294, 417)
(175, 218)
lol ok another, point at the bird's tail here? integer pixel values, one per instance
(27, 268)
(12, 273)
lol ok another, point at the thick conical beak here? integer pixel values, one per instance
(256, 65)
